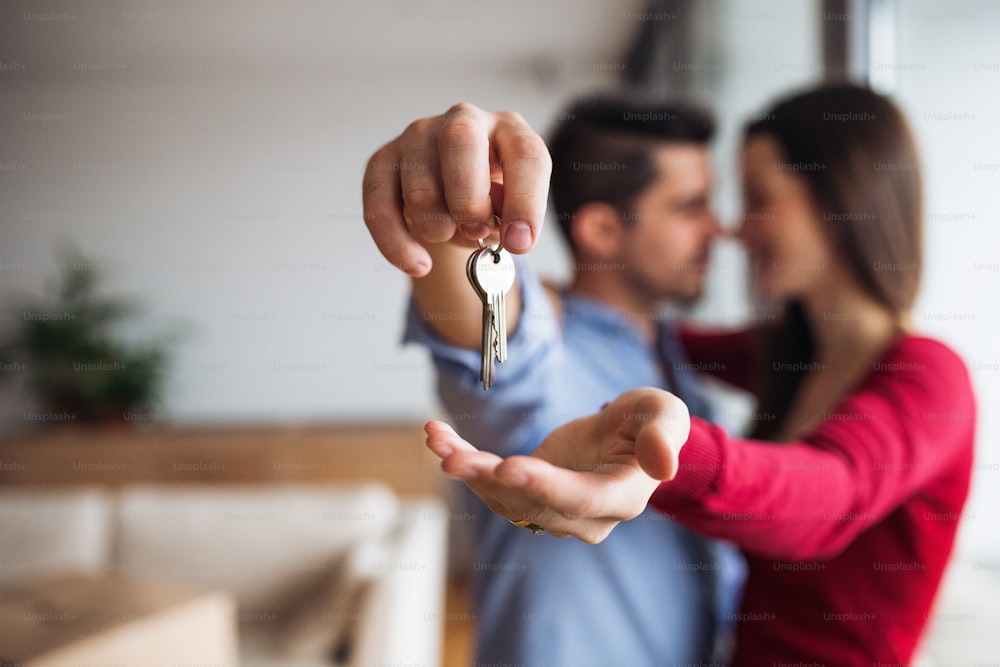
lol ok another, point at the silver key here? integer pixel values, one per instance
(487, 366)
(493, 274)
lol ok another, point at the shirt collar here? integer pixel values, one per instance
(599, 315)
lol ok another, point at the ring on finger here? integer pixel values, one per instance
(533, 527)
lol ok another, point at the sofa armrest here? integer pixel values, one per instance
(401, 615)
(45, 532)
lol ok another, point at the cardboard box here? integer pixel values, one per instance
(110, 619)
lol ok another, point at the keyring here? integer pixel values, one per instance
(495, 251)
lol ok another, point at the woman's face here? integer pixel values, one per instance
(790, 256)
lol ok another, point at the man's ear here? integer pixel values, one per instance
(597, 230)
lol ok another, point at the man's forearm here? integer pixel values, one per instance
(448, 302)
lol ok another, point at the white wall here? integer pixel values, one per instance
(949, 85)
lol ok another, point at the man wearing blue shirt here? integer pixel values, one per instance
(630, 187)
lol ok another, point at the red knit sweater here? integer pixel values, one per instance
(846, 532)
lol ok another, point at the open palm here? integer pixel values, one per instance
(587, 475)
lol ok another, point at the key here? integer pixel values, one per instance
(492, 271)
(501, 278)
(487, 366)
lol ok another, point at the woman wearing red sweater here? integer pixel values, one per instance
(847, 495)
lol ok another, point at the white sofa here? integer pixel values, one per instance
(322, 575)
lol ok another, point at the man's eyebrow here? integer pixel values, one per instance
(699, 198)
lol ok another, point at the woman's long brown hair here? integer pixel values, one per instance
(856, 154)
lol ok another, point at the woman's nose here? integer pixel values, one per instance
(739, 232)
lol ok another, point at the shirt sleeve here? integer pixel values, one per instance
(910, 423)
(730, 356)
(506, 419)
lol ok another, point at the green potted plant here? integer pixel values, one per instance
(71, 347)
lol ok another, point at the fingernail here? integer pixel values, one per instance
(517, 236)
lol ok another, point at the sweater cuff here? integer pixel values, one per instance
(701, 463)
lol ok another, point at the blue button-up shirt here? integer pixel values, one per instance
(649, 594)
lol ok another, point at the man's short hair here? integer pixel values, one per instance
(602, 149)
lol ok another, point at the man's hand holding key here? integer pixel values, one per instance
(432, 192)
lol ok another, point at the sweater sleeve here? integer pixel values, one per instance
(728, 355)
(911, 422)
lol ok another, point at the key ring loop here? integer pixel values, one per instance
(495, 251)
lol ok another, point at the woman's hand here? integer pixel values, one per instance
(587, 475)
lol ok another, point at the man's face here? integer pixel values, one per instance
(669, 232)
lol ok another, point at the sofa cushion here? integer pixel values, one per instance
(265, 545)
(43, 532)
(320, 624)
